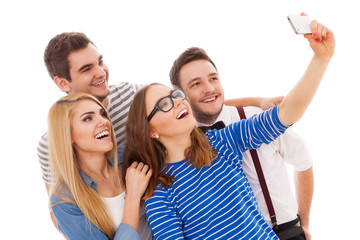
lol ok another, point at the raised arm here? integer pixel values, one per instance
(322, 42)
(137, 179)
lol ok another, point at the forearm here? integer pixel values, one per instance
(131, 211)
(244, 102)
(304, 186)
(295, 103)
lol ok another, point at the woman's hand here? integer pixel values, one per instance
(322, 40)
(137, 179)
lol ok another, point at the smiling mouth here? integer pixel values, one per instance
(102, 134)
(208, 100)
(182, 114)
(98, 83)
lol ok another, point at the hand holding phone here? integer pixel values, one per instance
(300, 24)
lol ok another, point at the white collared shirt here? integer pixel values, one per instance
(290, 149)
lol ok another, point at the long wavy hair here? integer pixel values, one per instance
(142, 148)
(66, 168)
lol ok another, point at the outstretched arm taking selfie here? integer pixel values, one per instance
(322, 42)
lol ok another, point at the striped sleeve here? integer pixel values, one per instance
(253, 132)
(44, 159)
(164, 220)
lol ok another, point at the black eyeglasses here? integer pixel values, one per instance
(165, 104)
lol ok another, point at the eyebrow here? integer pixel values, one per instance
(197, 78)
(87, 113)
(90, 64)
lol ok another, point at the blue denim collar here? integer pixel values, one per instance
(91, 182)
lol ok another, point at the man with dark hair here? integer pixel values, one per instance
(75, 65)
(196, 74)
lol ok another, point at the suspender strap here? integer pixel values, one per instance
(261, 177)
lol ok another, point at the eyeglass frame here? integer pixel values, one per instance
(156, 108)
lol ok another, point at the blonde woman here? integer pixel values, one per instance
(88, 196)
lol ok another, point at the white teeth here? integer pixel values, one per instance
(209, 100)
(181, 113)
(99, 83)
(102, 134)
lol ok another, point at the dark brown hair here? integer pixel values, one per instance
(191, 54)
(58, 49)
(141, 147)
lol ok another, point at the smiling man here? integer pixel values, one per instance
(196, 74)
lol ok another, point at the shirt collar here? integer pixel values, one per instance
(91, 182)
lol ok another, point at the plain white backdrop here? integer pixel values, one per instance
(256, 52)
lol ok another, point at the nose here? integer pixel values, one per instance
(208, 87)
(102, 121)
(100, 71)
(177, 102)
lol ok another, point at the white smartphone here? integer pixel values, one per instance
(300, 24)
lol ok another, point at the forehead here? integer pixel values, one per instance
(196, 69)
(84, 106)
(155, 92)
(83, 56)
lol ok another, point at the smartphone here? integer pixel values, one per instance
(300, 24)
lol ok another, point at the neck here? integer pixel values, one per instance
(176, 147)
(96, 164)
(207, 119)
(105, 102)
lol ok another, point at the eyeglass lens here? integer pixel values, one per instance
(166, 103)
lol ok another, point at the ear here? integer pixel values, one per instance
(153, 134)
(63, 84)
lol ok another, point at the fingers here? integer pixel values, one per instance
(278, 100)
(319, 31)
(140, 167)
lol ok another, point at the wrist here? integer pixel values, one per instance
(304, 220)
(131, 197)
(323, 58)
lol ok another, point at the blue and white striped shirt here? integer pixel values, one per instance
(215, 202)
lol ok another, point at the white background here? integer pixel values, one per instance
(254, 48)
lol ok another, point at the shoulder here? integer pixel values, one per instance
(124, 87)
(159, 193)
(43, 143)
(62, 207)
(120, 152)
(121, 96)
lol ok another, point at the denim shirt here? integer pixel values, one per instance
(73, 223)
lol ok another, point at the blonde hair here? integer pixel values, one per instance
(65, 167)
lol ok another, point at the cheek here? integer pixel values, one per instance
(163, 121)
(80, 135)
(219, 88)
(193, 97)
